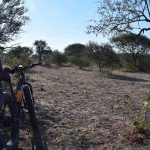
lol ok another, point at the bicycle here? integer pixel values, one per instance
(21, 98)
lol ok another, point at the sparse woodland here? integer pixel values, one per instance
(90, 96)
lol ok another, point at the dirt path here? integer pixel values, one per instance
(77, 108)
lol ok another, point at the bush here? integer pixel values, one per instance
(18, 56)
(48, 60)
(84, 62)
(58, 58)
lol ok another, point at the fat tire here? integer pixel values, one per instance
(37, 140)
(14, 136)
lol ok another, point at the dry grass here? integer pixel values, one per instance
(76, 109)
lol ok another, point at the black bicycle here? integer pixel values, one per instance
(12, 107)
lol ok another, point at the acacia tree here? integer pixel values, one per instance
(42, 48)
(134, 48)
(116, 16)
(76, 53)
(75, 49)
(12, 18)
(103, 55)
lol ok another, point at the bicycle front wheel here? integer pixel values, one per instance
(37, 140)
(9, 122)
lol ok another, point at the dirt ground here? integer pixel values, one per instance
(84, 110)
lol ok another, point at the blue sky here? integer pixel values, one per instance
(59, 22)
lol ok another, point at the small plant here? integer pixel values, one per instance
(125, 134)
(140, 119)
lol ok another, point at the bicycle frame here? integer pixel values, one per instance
(20, 85)
(19, 90)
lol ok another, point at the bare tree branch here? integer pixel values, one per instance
(144, 29)
(147, 7)
(120, 16)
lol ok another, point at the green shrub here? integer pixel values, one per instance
(58, 58)
(18, 56)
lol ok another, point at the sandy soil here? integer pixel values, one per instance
(84, 110)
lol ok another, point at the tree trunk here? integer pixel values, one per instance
(40, 57)
(100, 67)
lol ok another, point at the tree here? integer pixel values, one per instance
(77, 54)
(75, 49)
(12, 18)
(59, 58)
(134, 48)
(18, 56)
(42, 49)
(115, 16)
(103, 55)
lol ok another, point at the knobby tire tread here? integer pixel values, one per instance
(37, 140)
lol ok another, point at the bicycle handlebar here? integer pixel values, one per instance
(31, 65)
(12, 71)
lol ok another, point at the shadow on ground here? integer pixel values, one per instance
(126, 78)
